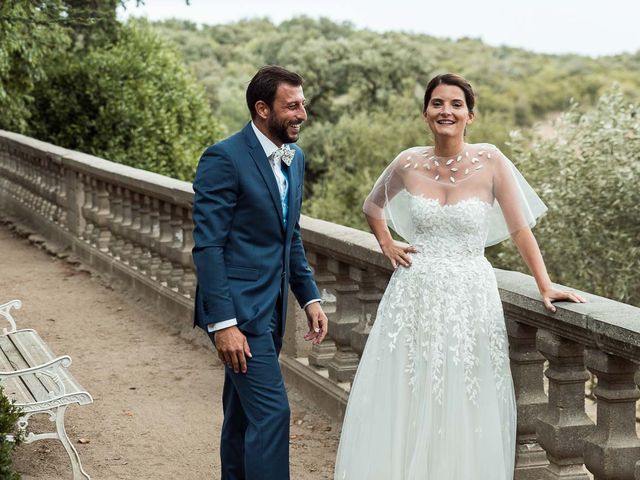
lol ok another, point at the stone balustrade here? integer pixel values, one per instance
(135, 228)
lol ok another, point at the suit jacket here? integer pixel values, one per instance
(244, 255)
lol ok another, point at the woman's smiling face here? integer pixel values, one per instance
(447, 113)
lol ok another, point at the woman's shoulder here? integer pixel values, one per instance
(479, 147)
(417, 150)
(412, 153)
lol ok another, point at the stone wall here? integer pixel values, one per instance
(135, 228)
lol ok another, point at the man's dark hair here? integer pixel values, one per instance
(264, 85)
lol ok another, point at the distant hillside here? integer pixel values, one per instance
(349, 69)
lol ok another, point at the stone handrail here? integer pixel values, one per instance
(136, 228)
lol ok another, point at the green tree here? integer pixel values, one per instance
(132, 102)
(29, 35)
(588, 174)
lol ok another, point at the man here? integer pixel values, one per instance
(248, 250)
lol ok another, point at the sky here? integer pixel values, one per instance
(586, 27)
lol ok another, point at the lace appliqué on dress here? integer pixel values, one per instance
(439, 308)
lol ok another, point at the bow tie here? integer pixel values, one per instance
(285, 153)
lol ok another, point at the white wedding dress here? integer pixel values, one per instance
(433, 397)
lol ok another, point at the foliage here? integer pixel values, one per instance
(354, 75)
(27, 39)
(9, 415)
(71, 74)
(137, 105)
(588, 174)
(364, 94)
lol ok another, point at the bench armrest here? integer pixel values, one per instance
(5, 311)
(50, 366)
(51, 369)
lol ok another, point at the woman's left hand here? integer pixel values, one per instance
(552, 294)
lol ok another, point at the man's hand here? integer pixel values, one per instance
(318, 323)
(233, 348)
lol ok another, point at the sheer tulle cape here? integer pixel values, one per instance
(478, 171)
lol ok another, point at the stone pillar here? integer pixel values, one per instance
(143, 257)
(74, 200)
(187, 285)
(154, 239)
(369, 297)
(344, 363)
(322, 353)
(86, 209)
(612, 451)
(163, 242)
(127, 223)
(95, 231)
(526, 368)
(175, 248)
(103, 218)
(116, 218)
(564, 425)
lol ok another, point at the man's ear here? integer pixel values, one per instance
(262, 109)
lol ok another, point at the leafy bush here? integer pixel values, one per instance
(588, 175)
(9, 415)
(27, 40)
(131, 101)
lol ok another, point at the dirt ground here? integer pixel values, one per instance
(157, 410)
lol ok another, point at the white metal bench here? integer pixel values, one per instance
(39, 382)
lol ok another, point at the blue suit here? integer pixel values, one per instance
(246, 258)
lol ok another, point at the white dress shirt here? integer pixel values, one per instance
(269, 147)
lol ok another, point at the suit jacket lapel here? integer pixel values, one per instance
(262, 162)
(293, 187)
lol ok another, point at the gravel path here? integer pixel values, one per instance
(157, 410)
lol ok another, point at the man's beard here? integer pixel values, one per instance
(279, 129)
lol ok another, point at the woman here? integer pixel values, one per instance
(433, 396)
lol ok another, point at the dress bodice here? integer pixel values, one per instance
(449, 232)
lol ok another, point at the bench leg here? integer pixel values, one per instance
(76, 465)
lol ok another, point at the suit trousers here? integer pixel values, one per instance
(255, 431)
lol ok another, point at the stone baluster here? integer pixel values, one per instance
(27, 185)
(25, 179)
(126, 226)
(564, 425)
(369, 297)
(136, 225)
(321, 353)
(61, 196)
(21, 192)
(344, 363)
(144, 236)
(175, 248)
(154, 246)
(164, 242)
(24, 194)
(87, 209)
(95, 232)
(41, 191)
(115, 220)
(527, 371)
(56, 193)
(57, 208)
(187, 285)
(613, 449)
(103, 217)
(48, 186)
(37, 187)
(31, 187)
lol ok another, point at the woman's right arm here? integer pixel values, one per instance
(396, 254)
